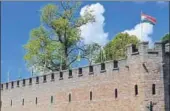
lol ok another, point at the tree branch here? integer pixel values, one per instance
(77, 48)
(62, 4)
(72, 61)
(79, 25)
(65, 10)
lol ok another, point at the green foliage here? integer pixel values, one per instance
(49, 13)
(55, 41)
(116, 48)
(166, 37)
(91, 51)
(40, 49)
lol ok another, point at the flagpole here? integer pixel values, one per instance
(90, 55)
(141, 24)
(100, 54)
(79, 60)
(32, 73)
(44, 65)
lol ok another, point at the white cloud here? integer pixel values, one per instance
(143, 31)
(94, 32)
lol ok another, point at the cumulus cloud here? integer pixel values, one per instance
(143, 31)
(94, 32)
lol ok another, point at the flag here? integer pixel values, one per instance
(148, 19)
(79, 56)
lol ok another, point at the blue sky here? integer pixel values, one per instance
(18, 18)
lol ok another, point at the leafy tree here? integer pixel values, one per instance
(166, 37)
(91, 51)
(116, 48)
(55, 42)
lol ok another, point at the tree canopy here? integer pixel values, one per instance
(55, 42)
(116, 48)
(166, 37)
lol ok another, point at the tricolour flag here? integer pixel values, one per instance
(148, 19)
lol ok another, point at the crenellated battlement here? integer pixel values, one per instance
(142, 50)
(130, 83)
(159, 48)
(65, 75)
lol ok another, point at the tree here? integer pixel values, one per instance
(55, 42)
(166, 37)
(116, 48)
(91, 51)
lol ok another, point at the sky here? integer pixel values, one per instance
(18, 18)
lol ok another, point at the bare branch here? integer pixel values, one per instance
(62, 4)
(71, 50)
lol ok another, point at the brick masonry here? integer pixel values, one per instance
(143, 68)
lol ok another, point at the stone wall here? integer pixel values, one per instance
(141, 69)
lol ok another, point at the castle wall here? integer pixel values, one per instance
(130, 72)
(166, 71)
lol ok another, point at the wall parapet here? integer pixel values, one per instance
(95, 69)
(143, 48)
(74, 73)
